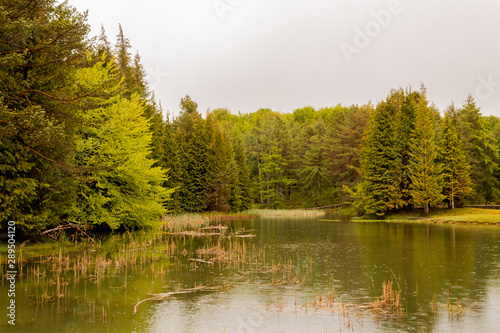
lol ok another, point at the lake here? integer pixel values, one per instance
(269, 275)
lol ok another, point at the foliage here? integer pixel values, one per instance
(425, 172)
(123, 189)
(456, 169)
(378, 161)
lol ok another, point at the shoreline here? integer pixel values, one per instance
(466, 215)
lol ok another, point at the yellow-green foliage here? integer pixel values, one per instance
(121, 187)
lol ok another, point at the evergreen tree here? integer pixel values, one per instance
(378, 162)
(220, 165)
(314, 173)
(482, 152)
(193, 139)
(426, 180)
(405, 133)
(171, 160)
(456, 169)
(124, 61)
(36, 110)
(344, 137)
(241, 192)
(103, 47)
(272, 179)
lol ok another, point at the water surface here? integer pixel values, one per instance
(269, 283)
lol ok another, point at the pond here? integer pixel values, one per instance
(269, 275)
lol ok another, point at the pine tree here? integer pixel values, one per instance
(314, 174)
(241, 192)
(124, 63)
(272, 179)
(482, 152)
(456, 169)
(171, 160)
(344, 140)
(103, 47)
(37, 113)
(220, 164)
(378, 162)
(192, 135)
(426, 180)
(405, 133)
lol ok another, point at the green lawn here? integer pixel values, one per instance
(460, 215)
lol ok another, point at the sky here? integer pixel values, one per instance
(244, 55)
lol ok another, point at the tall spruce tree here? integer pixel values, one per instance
(425, 172)
(378, 162)
(171, 160)
(456, 169)
(482, 152)
(314, 174)
(41, 45)
(241, 192)
(344, 139)
(193, 142)
(220, 166)
(405, 133)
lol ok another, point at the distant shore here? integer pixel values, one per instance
(442, 215)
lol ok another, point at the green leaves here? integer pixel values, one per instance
(125, 190)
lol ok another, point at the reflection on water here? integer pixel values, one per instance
(273, 282)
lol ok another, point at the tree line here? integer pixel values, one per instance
(401, 153)
(84, 140)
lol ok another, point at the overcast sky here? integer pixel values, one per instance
(285, 54)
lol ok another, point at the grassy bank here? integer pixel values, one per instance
(441, 215)
(191, 221)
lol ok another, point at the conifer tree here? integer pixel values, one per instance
(220, 164)
(272, 178)
(344, 140)
(456, 169)
(171, 160)
(241, 192)
(426, 180)
(37, 113)
(193, 138)
(314, 175)
(378, 162)
(103, 47)
(482, 152)
(405, 133)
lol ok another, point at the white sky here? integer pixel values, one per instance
(286, 54)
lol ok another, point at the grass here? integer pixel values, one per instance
(191, 221)
(286, 213)
(443, 215)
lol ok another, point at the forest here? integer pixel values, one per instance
(84, 140)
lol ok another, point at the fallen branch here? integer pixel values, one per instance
(199, 260)
(162, 296)
(66, 226)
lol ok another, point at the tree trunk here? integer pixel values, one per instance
(426, 208)
(452, 202)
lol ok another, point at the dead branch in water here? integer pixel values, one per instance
(55, 232)
(163, 296)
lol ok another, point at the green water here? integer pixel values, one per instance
(265, 281)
